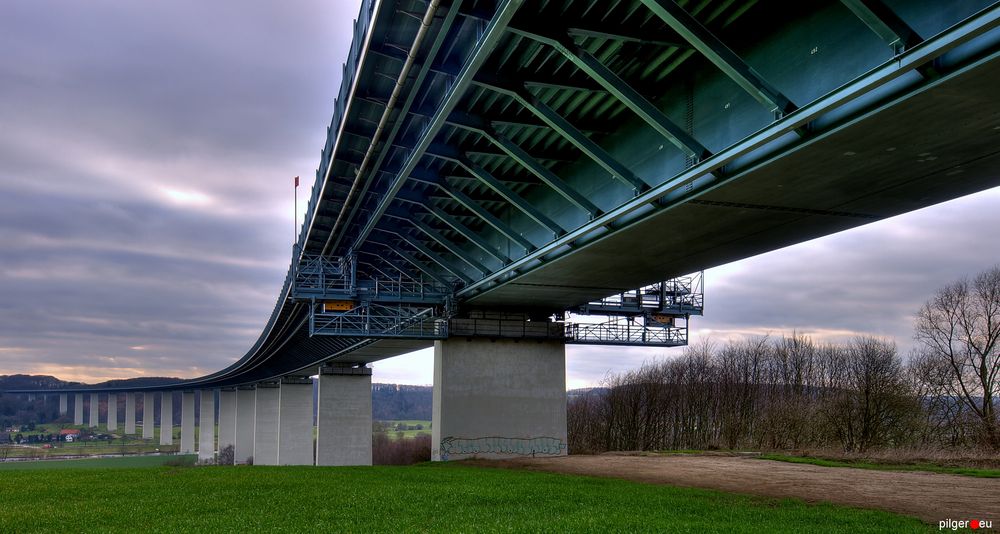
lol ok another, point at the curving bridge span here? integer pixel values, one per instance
(505, 177)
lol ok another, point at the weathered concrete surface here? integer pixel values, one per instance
(167, 418)
(130, 413)
(265, 438)
(63, 404)
(95, 410)
(245, 418)
(112, 411)
(344, 424)
(295, 422)
(148, 419)
(78, 409)
(227, 418)
(498, 399)
(206, 426)
(187, 422)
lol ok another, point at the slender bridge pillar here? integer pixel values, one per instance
(112, 412)
(148, 417)
(227, 419)
(498, 398)
(95, 410)
(265, 439)
(130, 413)
(206, 432)
(63, 404)
(246, 398)
(187, 422)
(167, 418)
(295, 421)
(344, 423)
(78, 409)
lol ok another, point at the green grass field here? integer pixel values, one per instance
(428, 497)
(393, 434)
(99, 463)
(933, 468)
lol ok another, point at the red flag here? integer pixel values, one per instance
(296, 181)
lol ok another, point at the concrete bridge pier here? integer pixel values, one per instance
(206, 432)
(227, 418)
(498, 398)
(187, 422)
(246, 399)
(130, 413)
(78, 409)
(148, 419)
(166, 418)
(265, 438)
(95, 410)
(63, 404)
(295, 421)
(344, 421)
(112, 412)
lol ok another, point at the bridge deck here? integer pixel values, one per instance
(539, 155)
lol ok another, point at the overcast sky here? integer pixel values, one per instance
(146, 157)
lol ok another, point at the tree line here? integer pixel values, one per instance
(793, 393)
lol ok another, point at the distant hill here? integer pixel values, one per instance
(14, 382)
(399, 402)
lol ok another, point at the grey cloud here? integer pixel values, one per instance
(108, 109)
(109, 105)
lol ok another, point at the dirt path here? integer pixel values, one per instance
(929, 496)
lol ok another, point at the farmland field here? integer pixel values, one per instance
(411, 424)
(427, 497)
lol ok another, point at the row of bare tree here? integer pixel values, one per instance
(791, 393)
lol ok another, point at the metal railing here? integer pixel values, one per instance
(683, 295)
(350, 71)
(328, 277)
(377, 321)
(621, 331)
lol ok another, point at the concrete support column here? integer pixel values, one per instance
(130, 413)
(295, 421)
(344, 423)
(95, 410)
(148, 419)
(187, 422)
(206, 432)
(246, 398)
(167, 418)
(78, 409)
(227, 419)
(265, 437)
(498, 399)
(112, 412)
(63, 404)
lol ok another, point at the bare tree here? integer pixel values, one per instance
(961, 326)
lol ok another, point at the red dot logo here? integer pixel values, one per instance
(974, 524)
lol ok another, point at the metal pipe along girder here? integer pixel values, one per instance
(485, 46)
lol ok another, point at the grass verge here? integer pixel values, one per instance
(426, 497)
(99, 463)
(879, 466)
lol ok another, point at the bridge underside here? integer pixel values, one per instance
(511, 156)
(938, 144)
